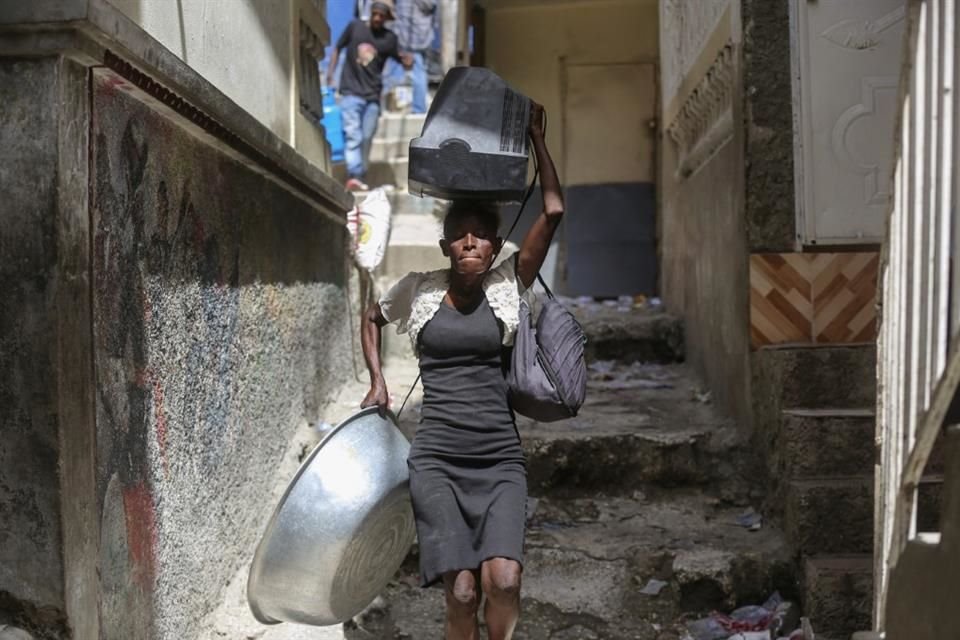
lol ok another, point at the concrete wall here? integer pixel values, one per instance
(529, 42)
(249, 50)
(219, 325)
(31, 549)
(140, 434)
(242, 48)
(768, 112)
(704, 255)
(592, 64)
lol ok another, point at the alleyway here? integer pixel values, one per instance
(640, 512)
(760, 240)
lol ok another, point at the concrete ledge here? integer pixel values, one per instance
(636, 336)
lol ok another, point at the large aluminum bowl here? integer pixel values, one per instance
(341, 530)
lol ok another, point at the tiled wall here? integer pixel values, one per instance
(813, 298)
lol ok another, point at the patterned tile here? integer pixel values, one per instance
(813, 297)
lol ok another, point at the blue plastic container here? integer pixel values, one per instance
(333, 124)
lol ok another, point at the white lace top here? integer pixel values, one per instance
(416, 297)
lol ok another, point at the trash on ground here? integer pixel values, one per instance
(751, 520)
(622, 303)
(707, 629)
(601, 367)
(323, 426)
(623, 385)
(653, 588)
(703, 397)
(751, 635)
(636, 376)
(776, 618)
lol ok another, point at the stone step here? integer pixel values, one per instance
(387, 149)
(830, 515)
(835, 514)
(405, 203)
(388, 173)
(642, 335)
(642, 425)
(393, 126)
(826, 442)
(587, 560)
(838, 594)
(815, 377)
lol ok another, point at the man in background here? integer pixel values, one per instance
(368, 45)
(414, 27)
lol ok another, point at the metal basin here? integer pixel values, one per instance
(341, 530)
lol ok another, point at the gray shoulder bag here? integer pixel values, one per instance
(548, 371)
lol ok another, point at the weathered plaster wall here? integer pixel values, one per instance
(139, 435)
(705, 272)
(684, 27)
(31, 559)
(242, 48)
(47, 553)
(768, 134)
(219, 326)
(704, 255)
(597, 32)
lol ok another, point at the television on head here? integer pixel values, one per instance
(474, 140)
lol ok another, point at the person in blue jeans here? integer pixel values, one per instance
(414, 27)
(368, 45)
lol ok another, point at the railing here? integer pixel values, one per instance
(919, 347)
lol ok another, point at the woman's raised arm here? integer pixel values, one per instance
(533, 251)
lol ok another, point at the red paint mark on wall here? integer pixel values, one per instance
(141, 520)
(145, 378)
(160, 415)
(111, 82)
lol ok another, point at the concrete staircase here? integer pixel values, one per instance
(816, 404)
(388, 154)
(646, 483)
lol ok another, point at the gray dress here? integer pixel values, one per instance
(468, 479)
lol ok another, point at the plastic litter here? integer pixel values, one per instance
(703, 397)
(707, 629)
(323, 426)
(751, 635)
(601, 367)
(653, 588)
(776, 618)
(752, 521)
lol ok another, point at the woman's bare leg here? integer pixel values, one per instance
(500, 579)
(463, 601)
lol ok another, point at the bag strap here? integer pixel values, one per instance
(409, 393)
